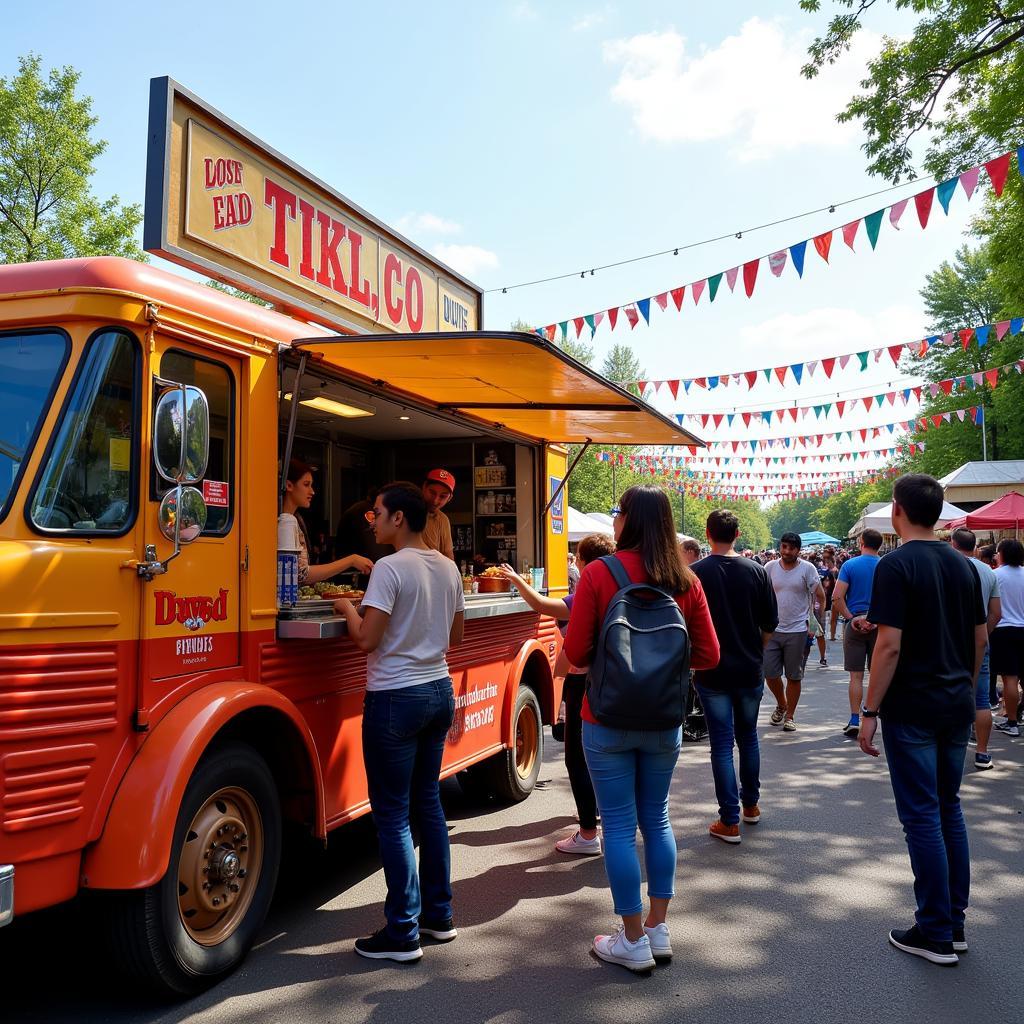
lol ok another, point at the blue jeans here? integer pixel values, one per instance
(632, 770)
(732, 715)
(925, 765)
(982, 697)
(403, 743)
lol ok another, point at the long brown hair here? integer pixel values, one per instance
(649, 529)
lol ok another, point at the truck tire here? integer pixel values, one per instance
(196, 924)
(514, 772)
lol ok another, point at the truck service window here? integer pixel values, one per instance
(86, 484)
(215, 380)
(30, 365)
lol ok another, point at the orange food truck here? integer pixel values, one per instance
(161, 716)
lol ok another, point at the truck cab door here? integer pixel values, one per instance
(190, 614)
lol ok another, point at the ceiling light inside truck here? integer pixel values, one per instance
(344, 409)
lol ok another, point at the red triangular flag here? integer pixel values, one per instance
(840, 406)
(549, 332)
(780, 372)
(632, 315)
(701, 382)
(965, 337)
(992, 376)
(677, 297)
(697, 290)
(823, 243)
(751, 376)
(717, 420)
(792, 414)
(997, 172)
(579, 322)
(937, 419)
(923, 202)
(895, 351)
(947, 386)
(867, 403)
(673, 386)
(613, 315)
(662, 300)
(828, 365)
(850, 232)
(750, 276)
(640, 385)
(746, 419)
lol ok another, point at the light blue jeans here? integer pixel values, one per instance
(632, 772)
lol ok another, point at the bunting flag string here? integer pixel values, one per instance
(997, 170)
(965, 337)
(968, 382)
(814, 458)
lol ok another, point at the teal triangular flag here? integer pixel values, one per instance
(944, 192)
(872, 222)
(863, 357)
(590, 323)
(564, 328)
(713, 282)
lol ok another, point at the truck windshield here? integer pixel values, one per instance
(29, 366)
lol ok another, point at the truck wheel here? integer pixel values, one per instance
(196, 924)
(515, 771)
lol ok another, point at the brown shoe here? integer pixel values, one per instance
(727, 833)
(752, 815)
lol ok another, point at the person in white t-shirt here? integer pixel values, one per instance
(412, 613)
(1008, 637)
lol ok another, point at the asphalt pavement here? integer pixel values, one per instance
(789, 925)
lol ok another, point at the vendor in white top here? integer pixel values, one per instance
(298, 493)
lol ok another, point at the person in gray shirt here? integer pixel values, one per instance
(797, 586)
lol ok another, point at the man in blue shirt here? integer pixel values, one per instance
(850, 599)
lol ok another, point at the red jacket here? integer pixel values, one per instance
(594, 593)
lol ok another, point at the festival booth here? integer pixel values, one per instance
(816, 538)
(881, 520)
(976, 484)
(582, 525)
(1004, 515)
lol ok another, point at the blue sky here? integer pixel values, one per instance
(520, 140)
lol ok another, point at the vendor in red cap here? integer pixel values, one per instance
(438, 488)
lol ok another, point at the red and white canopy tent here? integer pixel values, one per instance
(1005, 513)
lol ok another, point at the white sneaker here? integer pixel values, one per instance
(661, 941)
(617, 949)
(580, 846)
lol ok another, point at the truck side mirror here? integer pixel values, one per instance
(181, 434)
(182, 515)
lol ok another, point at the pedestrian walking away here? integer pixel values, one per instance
(744, 612)
(964, 541)
(412, 612)
(584, 840)
(797, 588)
(927, 603)
(851, 599)
(632, 767)
(1008, 636)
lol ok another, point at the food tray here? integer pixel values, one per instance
(306, 609)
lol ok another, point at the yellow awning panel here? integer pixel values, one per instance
(518, 381)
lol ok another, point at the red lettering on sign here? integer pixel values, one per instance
(220, 172)
(331, 234)
(360, 289)
(215, 493)
(282, 202)
(306, 216)
(414, 298)
(171, 608)
(231, 210)
(393, 279)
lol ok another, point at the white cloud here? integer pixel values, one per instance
(427, 224)
(748, 89)
(593, 19)
(467, 259)
(524, 12)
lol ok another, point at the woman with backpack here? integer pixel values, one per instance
(639, 658)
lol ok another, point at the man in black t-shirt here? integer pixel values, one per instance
(745, 612)
(926, 601)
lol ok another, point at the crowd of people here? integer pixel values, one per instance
(644, 619)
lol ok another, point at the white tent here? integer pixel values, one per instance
(581, 526)
(881, 519)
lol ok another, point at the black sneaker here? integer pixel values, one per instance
(913, 942)
(959, 941)
(442, 931)
(380, 946)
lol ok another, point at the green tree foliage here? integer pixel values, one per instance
(956, 79)
(237, 293)
(838, 512)
(47, 158)
(792, 515)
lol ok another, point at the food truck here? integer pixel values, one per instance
(162, 716)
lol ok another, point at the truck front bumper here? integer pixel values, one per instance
(6, 894)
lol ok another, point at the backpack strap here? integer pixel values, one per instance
(618, 570)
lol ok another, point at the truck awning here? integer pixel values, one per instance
(507, 379)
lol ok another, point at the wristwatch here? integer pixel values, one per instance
(868, 714)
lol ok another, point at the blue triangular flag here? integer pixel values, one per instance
(797, 254)
(730, 417)
(712, 383)
(644, 305)
(679, 418)
(686, 386)
(767, 417)
(981, 333)
(798, 371)
(979, 416)
(1020, 160)
(944, 192)
(1016, 324)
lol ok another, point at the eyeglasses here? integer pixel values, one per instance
(615, 512)
(371, 514)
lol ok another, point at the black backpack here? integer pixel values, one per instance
(640, 675)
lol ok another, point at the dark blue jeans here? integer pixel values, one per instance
(732, 716)
(925, 766)
(403, 743)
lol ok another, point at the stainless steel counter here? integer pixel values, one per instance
(327, 627)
